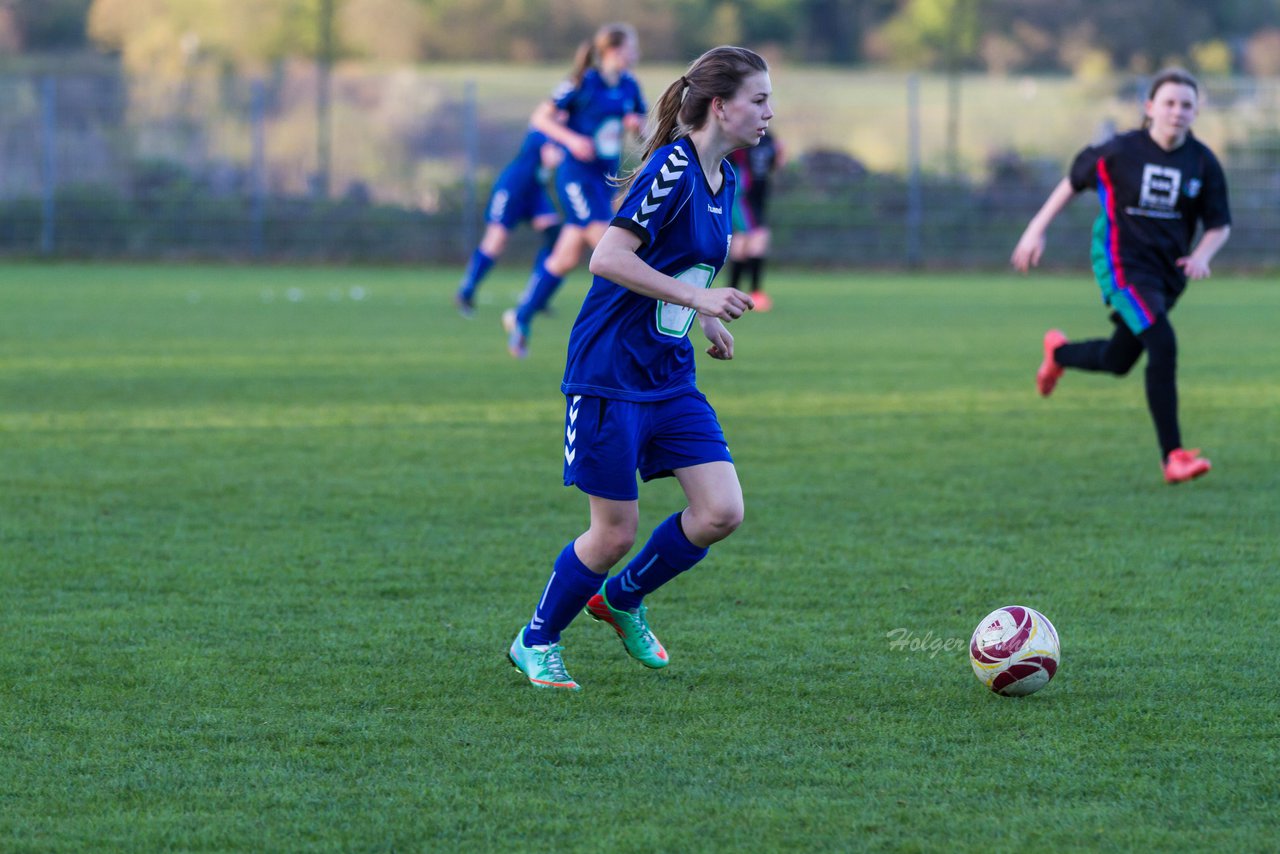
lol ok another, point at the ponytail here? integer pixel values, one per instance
(589, 52)
(583, 58)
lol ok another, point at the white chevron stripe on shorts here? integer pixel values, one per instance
(571, 430)
(577, 201)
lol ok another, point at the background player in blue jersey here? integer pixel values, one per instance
(519, 195)
(751, 234)
(589, 115)
(632, 401)
(1156, 185)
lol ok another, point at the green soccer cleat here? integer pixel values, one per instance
(632, 627)
(542, 664)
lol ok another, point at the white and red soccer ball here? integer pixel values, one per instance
(1014, 651)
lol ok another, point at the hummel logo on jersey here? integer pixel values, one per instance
(666, 179)
(715, 209)
(632, 586)
(538, 619)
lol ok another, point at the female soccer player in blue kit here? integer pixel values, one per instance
(1156, 184)
(519, 195)
(589, 115)
(632, 401)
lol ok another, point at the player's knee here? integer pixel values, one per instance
(563, 258)
(717, 521)
(1118, 366)
(615, 541)
(1162, 370)
(1162, 365)
(1119, 359)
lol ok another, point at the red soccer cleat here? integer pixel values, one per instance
(1050, 371)
(1183, 465)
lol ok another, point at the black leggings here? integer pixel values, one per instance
(1119, 353)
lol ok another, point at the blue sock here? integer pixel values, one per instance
(542, 286)
(542, 255)
(477, 269)
(667, 554)
(570, 586)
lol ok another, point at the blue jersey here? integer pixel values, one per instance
(523, 170)
(627, 346)
(520, 192)
(596, 109)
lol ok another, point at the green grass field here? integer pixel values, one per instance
(262, 557)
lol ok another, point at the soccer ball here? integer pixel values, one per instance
(1014, 651)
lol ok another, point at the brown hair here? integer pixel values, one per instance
(589, 52)
(686, 103)
(1180, 76)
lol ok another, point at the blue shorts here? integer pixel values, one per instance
(512, 204)
(607, 441)
(585, 195)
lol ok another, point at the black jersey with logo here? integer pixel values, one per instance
(754, 165)
(761, 158)
(1152, 201)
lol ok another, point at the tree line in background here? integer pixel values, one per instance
(1085, 37)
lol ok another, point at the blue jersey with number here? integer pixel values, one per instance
(627, 346)
(594, 108)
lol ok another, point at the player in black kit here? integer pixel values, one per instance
(751, 235)
(1155, 185)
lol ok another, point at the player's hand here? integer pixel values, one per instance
(1027, 253)
(1193, 267)
(721, 341)
(725, 304)
(551, 155)
(582, 148)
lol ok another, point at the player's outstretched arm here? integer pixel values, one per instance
(1031, 245)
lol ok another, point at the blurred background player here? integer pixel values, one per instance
(632, 401)
(1156, 185)
(519, 195)
(589, 116)
(755, 168)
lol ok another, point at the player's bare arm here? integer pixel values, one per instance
(1031, 245)
(615, 259)
(1196, 265)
